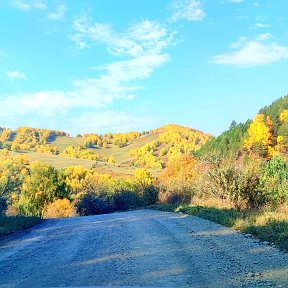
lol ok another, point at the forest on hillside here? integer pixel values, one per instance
(244, 168)
(148, 149)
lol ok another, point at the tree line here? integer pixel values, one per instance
(244, 168)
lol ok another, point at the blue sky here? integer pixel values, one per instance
(120, 65)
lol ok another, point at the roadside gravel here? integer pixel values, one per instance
(141, 248)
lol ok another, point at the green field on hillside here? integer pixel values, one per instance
(54, 160)
(111, 153)
(122, 155)
(62, 142)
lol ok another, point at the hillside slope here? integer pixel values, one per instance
(265, 135)
(109, 152)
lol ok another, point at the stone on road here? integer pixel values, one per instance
(141, 248)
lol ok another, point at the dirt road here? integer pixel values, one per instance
(139, 248)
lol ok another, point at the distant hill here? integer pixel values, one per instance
(121, 153)
(271, 123)
(112, 153)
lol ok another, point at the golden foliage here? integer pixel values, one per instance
(31, 139)
(6, 135)
(80, 179)
(79, 152)
(172, 143)
(283, 116)
(118, 139)
(184, 169)
(60, 208)
(260, 136)
(143, 177)
(179, 179)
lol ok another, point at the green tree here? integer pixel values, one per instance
(43, 186)
(273, 187)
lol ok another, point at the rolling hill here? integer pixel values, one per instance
(119, 153)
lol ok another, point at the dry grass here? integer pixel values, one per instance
(55, 160)
(270, 226)
(10, 224)
(62, 142)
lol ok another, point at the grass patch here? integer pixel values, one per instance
(57, 161)
(163, 207)
(62, 142)
(275, 231)
(10, 224)
(121, 156)
(266, 226)
(225, 217)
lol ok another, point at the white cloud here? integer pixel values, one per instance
(143, 45)
(262, 25)
(189, 10)
(59, 14)
(27, 5)
(89, 93)
(253, 52)
(135, 69)
(16, 75)
(142, 38)
(112, 121)
(264, 36)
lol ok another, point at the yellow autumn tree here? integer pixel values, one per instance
(283, 115)
(178, 180)
(143, 177)
(280, 146)
(60, 208)
(260, 134)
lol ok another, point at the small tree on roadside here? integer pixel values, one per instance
(43, 186)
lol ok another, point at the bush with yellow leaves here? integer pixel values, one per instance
(60, 208)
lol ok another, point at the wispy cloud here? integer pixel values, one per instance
(109, 120)
(16, 75)
(139, 50)
(142, 38)
(43, 107)
(27, 5)
(253, 52)
(58, 14)
(135, 69)
(189, 10)
(262, 25)
(143, 43)
(88, 93)
(264, 36)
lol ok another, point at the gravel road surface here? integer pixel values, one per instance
(141, 248)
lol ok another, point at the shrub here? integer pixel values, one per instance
(3, 205)
(12, 211)
(124, 200)
(150, 195)
(92, 204)
(233, 182)
(178, 180)
(60, 208)
(41, 187)
(173, 197)
(273, 186)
